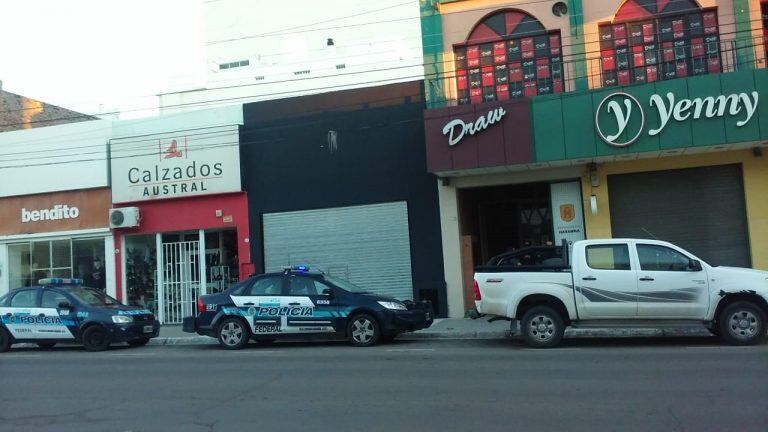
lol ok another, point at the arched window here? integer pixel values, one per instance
(508, 54)
(651, 40)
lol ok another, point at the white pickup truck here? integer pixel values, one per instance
(623, 282)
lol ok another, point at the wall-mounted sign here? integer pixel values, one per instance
(567, 212)
(620, 118)
(458, 129)
(57, 211)
(175, 165)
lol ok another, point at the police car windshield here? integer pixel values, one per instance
(92, 297)
(346, 286)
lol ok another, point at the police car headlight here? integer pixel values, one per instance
(121, 319)
(393, 305)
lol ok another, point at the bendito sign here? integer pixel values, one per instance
(176, 165)
(620, 119)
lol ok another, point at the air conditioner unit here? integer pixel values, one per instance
(125, 217)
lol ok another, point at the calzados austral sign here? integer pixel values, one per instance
(621, 114)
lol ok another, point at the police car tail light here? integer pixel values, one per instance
(476, 289)
(200, 305)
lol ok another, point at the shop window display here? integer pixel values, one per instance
(644, 44)
(508, 55)
(141, 271)
(32, 261)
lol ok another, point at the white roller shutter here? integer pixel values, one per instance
(368, 245)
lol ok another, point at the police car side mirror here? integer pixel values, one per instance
(65, 305)
(328, 292)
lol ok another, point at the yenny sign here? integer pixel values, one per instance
(458, 129)
(624, 107)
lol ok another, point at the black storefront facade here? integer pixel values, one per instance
(339, 181)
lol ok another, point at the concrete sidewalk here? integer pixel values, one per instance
(463, 328)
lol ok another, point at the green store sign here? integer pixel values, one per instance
(620, 117)
(664, 116)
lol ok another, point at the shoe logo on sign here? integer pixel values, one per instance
(619, 119)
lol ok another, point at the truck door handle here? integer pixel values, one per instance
(646, 279)
(294, 304)
(589, 278)
(248, 304)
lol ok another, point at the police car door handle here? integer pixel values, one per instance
(294, 304)
(41, 315)
(248, 304)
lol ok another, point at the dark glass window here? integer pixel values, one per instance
(51, 299)
(661, 258)
(266, 286)
(24, 299)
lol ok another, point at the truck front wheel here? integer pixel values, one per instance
(742, 323)
(542, 327)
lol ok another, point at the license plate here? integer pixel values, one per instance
(149, 329)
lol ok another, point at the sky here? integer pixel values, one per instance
(103, 56)
(81, 54)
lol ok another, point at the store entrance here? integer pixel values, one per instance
(500, 219)
(185, 259)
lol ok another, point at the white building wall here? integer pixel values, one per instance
(55, 158)
(289, 56)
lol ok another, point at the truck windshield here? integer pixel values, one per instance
(346, 286)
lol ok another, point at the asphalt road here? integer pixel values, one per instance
(438, 385)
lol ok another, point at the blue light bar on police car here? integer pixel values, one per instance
(301, 268)
(60, 281)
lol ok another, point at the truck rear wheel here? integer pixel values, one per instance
(542, 327)
(742, 323)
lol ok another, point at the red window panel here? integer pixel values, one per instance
(529, 89)
(609, 60)
(638, 56)
(500, 59)
(473, 56)
(554, 45)
(678, 28)
(649, 33)
(515, 72)
(487, 76)
(713, 64)
(499, 48)
(542, 68)
(619, 31)
(697, 47)
(651, 73)
(461, 80)
(557, 85)
(709, 18)
(681, 68)
(502, 92)
(623, 77)
(527, 47)
(476, 95)
(668, 52)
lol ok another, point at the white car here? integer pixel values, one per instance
(620, 282)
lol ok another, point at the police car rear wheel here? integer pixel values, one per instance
(233, 334)
(5, 340)
(363, 330)
(46, 345)
(95, 338)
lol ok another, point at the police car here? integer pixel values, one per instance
(62, 310)
(300, 302)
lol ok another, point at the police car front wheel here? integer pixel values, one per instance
(363, 330)
(95, 338)
(5, 340)
(233, 334)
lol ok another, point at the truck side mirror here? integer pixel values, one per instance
(694, 265)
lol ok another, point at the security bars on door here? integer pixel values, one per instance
(181, 280)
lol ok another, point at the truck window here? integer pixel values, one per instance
(608, 257)
(661, 258)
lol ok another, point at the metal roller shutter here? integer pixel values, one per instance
(699, 209)
(368, 245)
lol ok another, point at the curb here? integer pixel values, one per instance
(506, 334)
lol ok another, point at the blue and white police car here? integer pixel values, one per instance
(300, 302)
(62, 310)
